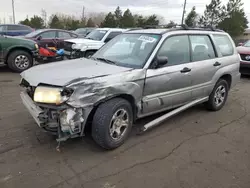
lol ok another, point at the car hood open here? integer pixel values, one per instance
(61, 73)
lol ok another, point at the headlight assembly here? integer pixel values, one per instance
(36, 46)
(51, 95)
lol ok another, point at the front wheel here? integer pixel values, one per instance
(218, 97)
(19, 61)
(112, 123)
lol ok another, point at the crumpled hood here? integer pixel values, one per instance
(61, 73)
(243, 50)
(83, 41)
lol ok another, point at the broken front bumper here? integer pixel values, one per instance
(63, 121)
(33, 109)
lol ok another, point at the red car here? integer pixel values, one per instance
(51, 37)
(244, 51)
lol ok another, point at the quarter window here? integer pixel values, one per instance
(224, 44)
(202, 48)
(177, 50)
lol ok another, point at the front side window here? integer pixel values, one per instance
(112, 35)
(176, 49)
(129, 50)
(224, 44)
(96, 35)
(202, 48)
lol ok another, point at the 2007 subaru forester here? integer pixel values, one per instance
(136, 74)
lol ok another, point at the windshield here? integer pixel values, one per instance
(34, 33)
(247, 44)
(128, 50)
(81, 31)
(96, 35)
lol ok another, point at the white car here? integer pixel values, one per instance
(86, 47)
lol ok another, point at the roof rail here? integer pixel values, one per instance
(183, 26)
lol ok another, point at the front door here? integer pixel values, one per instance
(169, 86)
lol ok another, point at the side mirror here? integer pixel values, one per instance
(39, 37)
(240, 44)
(161, 61)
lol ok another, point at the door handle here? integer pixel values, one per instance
(217, 64)
(184, 70)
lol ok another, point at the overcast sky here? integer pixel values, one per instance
(169, 9)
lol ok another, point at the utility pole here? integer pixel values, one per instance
(13, 9)
(184, 10)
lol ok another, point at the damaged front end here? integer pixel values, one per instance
(59, 119)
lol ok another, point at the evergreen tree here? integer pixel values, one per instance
(127, 19)
(192, 18)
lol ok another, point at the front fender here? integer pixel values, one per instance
(101, 89)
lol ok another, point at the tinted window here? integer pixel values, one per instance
(48, 35)
(224, 44)
(202, 48)
(14, 28)
(73, 35)
(177, 50)
(63, 35)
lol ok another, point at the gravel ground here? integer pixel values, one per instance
(196, 149)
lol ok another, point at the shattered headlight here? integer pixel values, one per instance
(51, 95)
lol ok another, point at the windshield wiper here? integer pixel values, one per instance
(106, 60)
(89, 38)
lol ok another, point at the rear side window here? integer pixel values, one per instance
(224, 45)
(63, 35)
(202, 48)
(24, 28)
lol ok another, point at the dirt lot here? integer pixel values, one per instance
(195, 149)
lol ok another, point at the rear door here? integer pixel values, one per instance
(62, 35)
(204, 65)
(48, 39)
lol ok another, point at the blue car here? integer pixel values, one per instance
(15, 29)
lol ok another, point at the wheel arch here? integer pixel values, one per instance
(228, 78)
(15, 49)
(127, 97)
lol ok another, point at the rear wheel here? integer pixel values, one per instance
(19, 61)
(112, 123)
(218, 97)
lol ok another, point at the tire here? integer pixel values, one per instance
(104, 126)
(23, 56)
(88, 54)
(212, 103)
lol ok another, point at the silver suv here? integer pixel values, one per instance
(136, 74)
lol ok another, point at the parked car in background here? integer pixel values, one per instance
(15, 29)
(83, 32)
(76, 48)
(51, 37)
(17, 53)
(136, 74)
(244, 52)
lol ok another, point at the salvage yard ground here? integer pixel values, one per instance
(195, 149)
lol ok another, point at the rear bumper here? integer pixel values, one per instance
(33, 109)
